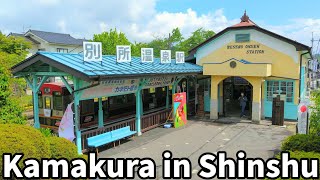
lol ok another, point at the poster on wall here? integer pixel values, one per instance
(180, 109)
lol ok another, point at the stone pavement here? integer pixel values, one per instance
(258, 140)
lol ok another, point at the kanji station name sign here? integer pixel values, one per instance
(123, 53)
(92, 51)
(250, 48)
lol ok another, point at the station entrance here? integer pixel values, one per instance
(232, 89)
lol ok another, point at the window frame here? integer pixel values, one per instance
(271, 90)
(54, 100)
(45, 102)
(244, 35)
(62, 50)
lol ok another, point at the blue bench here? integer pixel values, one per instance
(109, 137)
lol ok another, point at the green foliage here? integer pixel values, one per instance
(197, 37)
(136, 48)
(302, 142)
(301, 154)
(46, 132)
(171, 42)
(62, 148)
(315, 113)
(174, 42)
(24, 139)
(14, 45)
(110, 40)
(12, 51)
(10, 108)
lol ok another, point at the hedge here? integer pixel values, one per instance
(62, 148)
(24, 139)
(302, 142)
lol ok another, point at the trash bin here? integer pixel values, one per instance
(277, 111)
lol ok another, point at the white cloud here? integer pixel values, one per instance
(299, 29)
(62, 26)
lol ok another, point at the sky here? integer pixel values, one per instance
(143, 20)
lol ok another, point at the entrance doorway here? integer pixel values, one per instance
(232, 88)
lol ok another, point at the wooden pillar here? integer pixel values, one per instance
(76, 100)
(100, 113)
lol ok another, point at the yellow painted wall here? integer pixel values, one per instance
(282, 65)
(241, 69)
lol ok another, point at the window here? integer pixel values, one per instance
(47, 101)
(42, 49)
(62, 50)
(40, 102)
(57, 101)
(282, 88)
(242, 37)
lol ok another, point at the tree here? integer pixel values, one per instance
(12, 51)
(136, 48)
(110, 40)
(171, 42)
(197, 37)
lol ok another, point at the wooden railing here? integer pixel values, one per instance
(148, 122)
(154, 120)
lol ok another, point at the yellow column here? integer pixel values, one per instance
(215, 80)
(256, 83)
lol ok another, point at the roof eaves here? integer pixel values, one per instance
(39, 57)
(299, 46)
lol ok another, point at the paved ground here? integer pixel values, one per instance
(198, 137)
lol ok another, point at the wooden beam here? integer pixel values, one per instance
(65, 82)
(43, 79)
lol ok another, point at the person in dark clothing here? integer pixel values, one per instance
(243, 102)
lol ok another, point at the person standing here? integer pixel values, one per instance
(243, 102)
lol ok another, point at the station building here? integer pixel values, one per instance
(247, 58)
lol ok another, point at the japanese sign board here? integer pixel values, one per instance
(110, 87)
(179, 57)
(180, 109)
(160, 81)
(147, 55)
(123, 53)
(165, 56)
(92, 51)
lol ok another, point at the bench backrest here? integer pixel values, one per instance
(120, 131)
(99, 137)
(109, 135)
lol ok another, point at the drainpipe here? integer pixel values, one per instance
(300, 73)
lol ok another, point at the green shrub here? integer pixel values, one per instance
(301, 154)
(46, 132)
(315, 113)
(62, 148)
(302, 142)
(24, 139)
